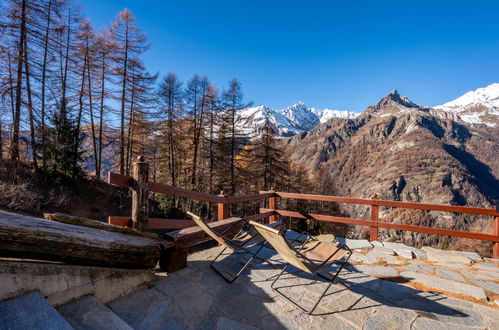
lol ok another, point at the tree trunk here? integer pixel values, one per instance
(17, 114)
(44, 77)
(30, 108)
(123, 97)
(33, 238)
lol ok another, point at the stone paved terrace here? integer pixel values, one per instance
(387, 286)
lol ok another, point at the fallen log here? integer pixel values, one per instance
(34, 238)
(66, 218)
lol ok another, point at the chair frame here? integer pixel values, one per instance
(237, 249)
(317, 269)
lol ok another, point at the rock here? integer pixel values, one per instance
(30, 311)
(366, 259)
(450, 275)
(377, 243)
(420, 254)
(475, 275)
(439, 284)
(374, 270)
(382, 249)
(489, 286)
(472, 255)
(486, 266)
(445, 256)
(451, 265)
(88, 313)
(404, 253)
(355, 243)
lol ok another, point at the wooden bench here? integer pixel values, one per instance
(174, 246)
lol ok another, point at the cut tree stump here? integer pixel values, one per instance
(34, 238)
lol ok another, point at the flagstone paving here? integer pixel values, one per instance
(416, 294)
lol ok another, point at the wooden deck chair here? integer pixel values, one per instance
(242, 242)
(311, 257)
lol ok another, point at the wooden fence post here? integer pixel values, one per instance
(374, 217)
(140, 192)
(495, 249)
(272, 206)
(223, 209)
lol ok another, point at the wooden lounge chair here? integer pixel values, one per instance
(311, 257)
(241, 243)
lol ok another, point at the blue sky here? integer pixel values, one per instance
(334, 54)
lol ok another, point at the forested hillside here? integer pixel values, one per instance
(76, 102)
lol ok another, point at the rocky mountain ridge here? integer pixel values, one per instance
(403, 151)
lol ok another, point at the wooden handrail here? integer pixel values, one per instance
(379, 202)
(396, 226)
(224, 202)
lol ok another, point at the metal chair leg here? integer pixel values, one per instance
(234, 277)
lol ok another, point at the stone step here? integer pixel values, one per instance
(89, 314)
(30, 311)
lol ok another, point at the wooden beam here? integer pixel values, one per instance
(374, 217)
(191, 236)
(119, 180)
(176, 191)
(66, 218)
(39, 239)
(407, 205)
(140, 195)
(396, 226)
(154, 223)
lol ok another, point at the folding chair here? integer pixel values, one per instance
(242, 242)
(311, 257)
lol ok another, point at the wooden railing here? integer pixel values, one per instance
(139, 218)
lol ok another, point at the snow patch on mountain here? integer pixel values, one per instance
(290, 120)
(480, 106)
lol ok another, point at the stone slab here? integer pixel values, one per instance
(384, 250)
(404, 253)
(377, 243)
(355, 243)
(440, 284)
(64, 283)
(449, 274)
(486, 266)
(438, 255)
(31, 311)
(452, 265)
(489, 286)
(88, 313)
(374, 270)
(472, 255)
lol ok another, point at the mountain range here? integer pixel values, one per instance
(480, 106)
(399, 150)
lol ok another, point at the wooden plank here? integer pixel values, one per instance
(191, 236)
(259, 216)
(39, 239)
(419, 229)
(176, 191)
(120, 221)
(495, 248)
(120, 180)
(66, 218)
(407, 205)
(154, 223)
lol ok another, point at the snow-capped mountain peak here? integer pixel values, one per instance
(480, 106)
(290, 120)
